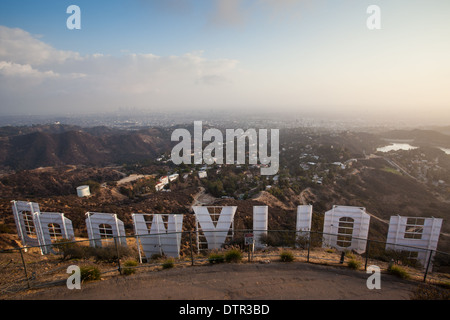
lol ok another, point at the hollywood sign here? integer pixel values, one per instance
(345, 228)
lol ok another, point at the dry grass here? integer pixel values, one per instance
(50, 268)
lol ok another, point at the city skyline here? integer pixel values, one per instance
(261, 55)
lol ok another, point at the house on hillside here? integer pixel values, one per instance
(164, 179)
(159, 186)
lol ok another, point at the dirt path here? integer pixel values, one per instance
(274, 281)
(202, 198)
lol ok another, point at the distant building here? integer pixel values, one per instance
(159, 186)
(202, 174)
(173, 177)
(340, 164)
(83, 191)
(164, 179)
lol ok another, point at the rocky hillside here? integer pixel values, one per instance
(29, 149)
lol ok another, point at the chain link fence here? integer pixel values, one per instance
(25, 268)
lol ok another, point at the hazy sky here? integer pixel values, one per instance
(298, 55)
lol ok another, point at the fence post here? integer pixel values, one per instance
(428, 266)
(25, 268)
(309, 246)
(118, 257)
(367, 254)
(192, 250)
(342, 257)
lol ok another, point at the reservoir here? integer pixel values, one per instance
(396, 146)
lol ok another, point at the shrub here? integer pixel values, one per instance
(105, 254)
(287, 256)
(89, 273)
(127, 264)
(233, 255)
(70, 250)
(302, 241)
(399, 256)
(108, 253)
(76, 252)
(350, 255)
(168, 264)
(398, 271)
(354, 264)
(216, 258)
(281, 239)
(94, 186)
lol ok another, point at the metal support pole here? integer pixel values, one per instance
(118, 257)
(139, 249)
(192, 249)
(428, 266)
(342, 257)
(25, 268)
(309, 246)
(367, 254)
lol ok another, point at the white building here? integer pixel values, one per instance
(202, 174)
(83, 191)
(164, 179)
(159, 186)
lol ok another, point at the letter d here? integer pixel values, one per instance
(226, 309)
(265, 309)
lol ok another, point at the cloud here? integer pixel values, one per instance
(19, 46)
(31, 71)
(10, 69)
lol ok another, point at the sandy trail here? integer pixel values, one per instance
(274, 281)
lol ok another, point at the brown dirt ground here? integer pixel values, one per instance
(242, 281)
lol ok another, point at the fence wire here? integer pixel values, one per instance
(25, 267)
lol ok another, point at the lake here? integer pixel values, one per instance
(404, 146)
(396, 146)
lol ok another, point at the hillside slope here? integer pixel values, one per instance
(42, 149)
